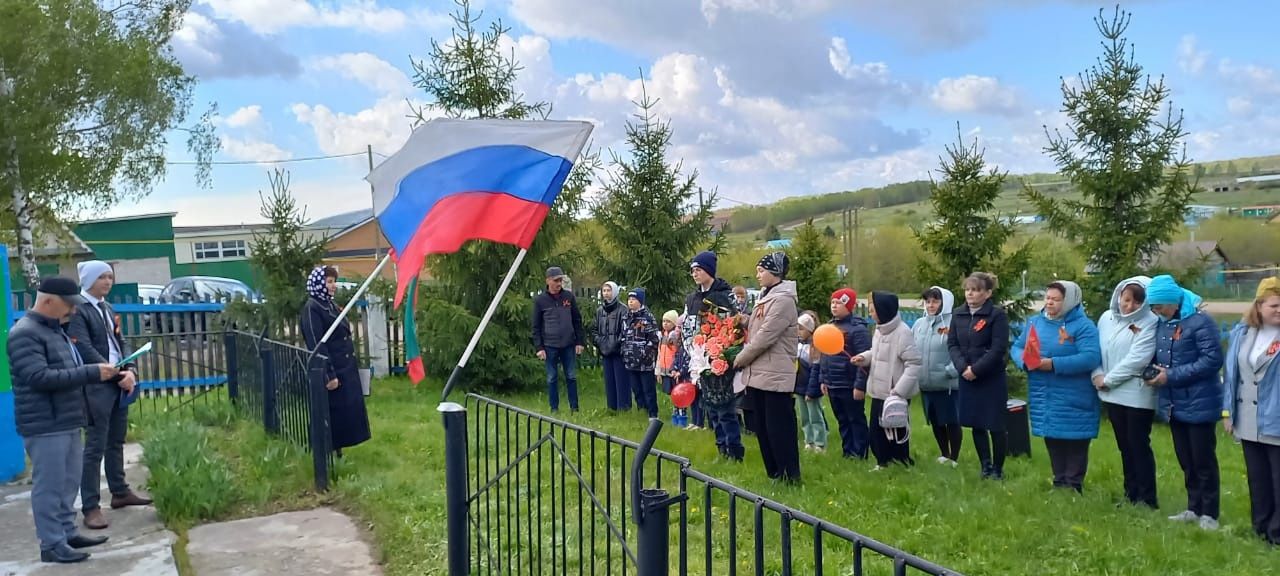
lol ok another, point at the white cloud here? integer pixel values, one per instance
(239, 204)
(378, 74)
(248, 116)
(1257, 80)
(971, 93)
(1191, 58)
(210, 48)
(251, 149)
(385, 126)
(842, 62)
(269, 16)
(1239, 106)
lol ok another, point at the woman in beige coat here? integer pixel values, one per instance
(894, 370)
(768, 367)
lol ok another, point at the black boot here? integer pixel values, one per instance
(78, 541)
(987, 471)
(63, 555)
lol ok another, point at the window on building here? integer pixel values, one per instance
(206, 250)
(233, 249)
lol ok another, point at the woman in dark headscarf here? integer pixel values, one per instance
(348, 421)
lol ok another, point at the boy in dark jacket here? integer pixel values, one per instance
(715, 393)
(844, 384)
(558, 336)
(640, 350)
(1189, 392)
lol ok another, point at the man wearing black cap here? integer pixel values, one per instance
(558, 336)
(48, 395)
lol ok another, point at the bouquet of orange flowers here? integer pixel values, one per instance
(719, 342)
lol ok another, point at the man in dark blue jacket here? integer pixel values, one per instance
(48, 395)
(844, 384)
(97, 336)
(558, 336)
(1187, 360)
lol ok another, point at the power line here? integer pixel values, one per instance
(250, 162)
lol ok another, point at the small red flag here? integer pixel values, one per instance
(1031, 353)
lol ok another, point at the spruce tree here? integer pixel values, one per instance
(813, 268)
(1123, 151)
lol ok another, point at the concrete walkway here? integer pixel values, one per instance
(139, 545)
(320, 541)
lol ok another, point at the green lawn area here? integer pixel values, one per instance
(949, 516)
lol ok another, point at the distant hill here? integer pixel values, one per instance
(907, 201)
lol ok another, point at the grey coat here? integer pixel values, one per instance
(48, 377)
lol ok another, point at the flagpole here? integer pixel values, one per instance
(352, 302)
(484, 321)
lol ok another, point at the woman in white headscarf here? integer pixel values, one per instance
(939, 381)
(606, 334)
(1127, 334)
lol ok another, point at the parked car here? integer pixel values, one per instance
(148, 294)
(194, 289)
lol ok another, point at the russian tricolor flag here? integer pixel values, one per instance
(460, 180)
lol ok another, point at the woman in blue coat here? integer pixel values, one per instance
(1059, 350)
(1185, 369)
(1251, 405)
(978, 341)
(348, 420)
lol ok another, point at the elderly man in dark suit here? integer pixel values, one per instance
(49, 379)
(97, 336)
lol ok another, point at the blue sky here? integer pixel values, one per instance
(768, 98)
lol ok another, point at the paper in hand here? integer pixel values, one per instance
(136, 353)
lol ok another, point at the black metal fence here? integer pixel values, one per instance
(528, 494)
(282, 386)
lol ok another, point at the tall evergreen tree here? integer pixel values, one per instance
(1123, 151)
(652, 215)
(969, 235)
(813, 267)
(472, 76)
(283, 255)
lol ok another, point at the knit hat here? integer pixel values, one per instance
(806, 321)
(1164, 290)
(847, 297)
(886, 305)
(776, 262)
(671, 316)
(706, 261)
(1267, 286)
(638, 294)
(90, 272)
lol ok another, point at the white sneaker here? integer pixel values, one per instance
(877, 468)
(953, 463)
(943, 460)
(808, 447)
(1207, 523)
(1184, 516)
(819, 449)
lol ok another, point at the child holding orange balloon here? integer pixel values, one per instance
(843, 383)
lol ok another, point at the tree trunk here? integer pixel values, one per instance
(21, 206)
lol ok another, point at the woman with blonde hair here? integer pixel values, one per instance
(1251, 404)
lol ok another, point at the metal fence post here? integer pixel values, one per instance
(651, 511)
(231, 349)
(319, 429)
(270, 417)
(455, 485)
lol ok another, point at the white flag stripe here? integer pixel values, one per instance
(444, 137)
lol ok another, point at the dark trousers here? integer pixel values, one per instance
(1262, 465)
(775, 426)
(1132, 428)
(1070, 462)
(991, 447)
(1196, 446)
(646, 389)
(949, 437)
(567, 358)
(617, 383)
(103, 439)
(851, 415)
(886, 450)
(724, 422)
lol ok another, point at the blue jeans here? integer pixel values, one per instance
(617, 383)
(56, 460)
(724, 421)
(569, 359)
(642, 383)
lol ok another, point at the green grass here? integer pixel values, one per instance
(950, 516)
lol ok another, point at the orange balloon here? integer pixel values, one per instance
(828, 339)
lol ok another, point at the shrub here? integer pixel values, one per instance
(190, 480)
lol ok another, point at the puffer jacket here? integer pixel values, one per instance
(768, 359)
(837, 371)
(894, 366)
(1128, 342)
(1188, 347)
(937, 371)
(1064, 404)
(48, 377)
(606, 332)
(639, 340)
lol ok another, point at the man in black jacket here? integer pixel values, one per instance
(558, 336)
(48, 396)
(97, 336)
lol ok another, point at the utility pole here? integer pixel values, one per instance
(377, 232)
